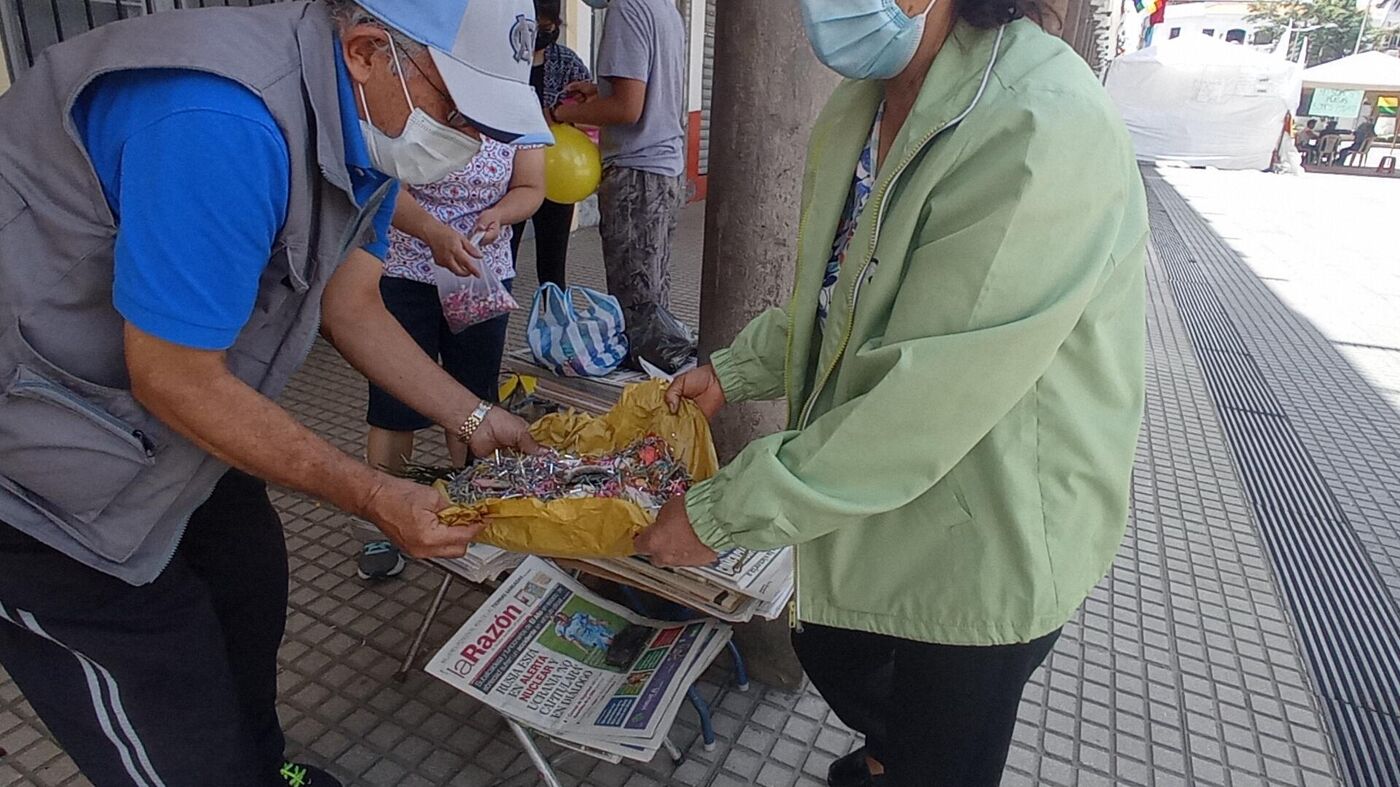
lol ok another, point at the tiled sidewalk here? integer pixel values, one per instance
(1182, 669)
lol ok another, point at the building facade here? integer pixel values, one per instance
(1227, 20)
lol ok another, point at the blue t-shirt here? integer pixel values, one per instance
(197, 174)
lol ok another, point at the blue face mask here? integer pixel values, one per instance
(863, 39)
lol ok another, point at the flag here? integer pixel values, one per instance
(1159, 12)
(1385, 106)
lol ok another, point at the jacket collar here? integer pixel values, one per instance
(954, 84)
(316, 38)
(951, 90)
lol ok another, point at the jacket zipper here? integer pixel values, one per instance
(789, 386)
(55, 395)
(795, 609)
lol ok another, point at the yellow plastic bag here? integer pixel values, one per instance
(594, 527)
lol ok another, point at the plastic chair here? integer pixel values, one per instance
(1327, 151)
(1345, 159)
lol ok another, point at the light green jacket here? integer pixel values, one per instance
(961, 435)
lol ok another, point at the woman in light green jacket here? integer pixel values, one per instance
(963, 360)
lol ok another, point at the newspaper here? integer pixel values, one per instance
(482, 564)
(742, 585)
(537, 652)
(766, 576)
(616, 380)
(485, 563)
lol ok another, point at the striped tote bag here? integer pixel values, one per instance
(578, 332)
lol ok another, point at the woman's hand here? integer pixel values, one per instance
(701, 386)
(489, 225)
(671, 541)
(453, 251)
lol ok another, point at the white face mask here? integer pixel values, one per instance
(426, 151)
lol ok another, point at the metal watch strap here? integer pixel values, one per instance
(468, 429)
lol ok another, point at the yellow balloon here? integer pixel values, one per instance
(573, 167)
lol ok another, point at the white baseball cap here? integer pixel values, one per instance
(484, 50)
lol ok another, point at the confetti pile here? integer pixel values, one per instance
(468, 306)
(645, 473)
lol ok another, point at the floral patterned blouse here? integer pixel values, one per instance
(862, 185)
(458, 201)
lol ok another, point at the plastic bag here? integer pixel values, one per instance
(472, 300)
(657, 336)
(576, 341)
(594, 527)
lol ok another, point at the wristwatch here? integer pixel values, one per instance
(467, 430)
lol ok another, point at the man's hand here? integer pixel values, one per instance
(407, 513)
(700, 385)
(583, 91)
(623, 106)
(453, 251)
(579, 95)
(671, 541)
(502, 430)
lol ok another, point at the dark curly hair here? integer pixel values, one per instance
(988, 14)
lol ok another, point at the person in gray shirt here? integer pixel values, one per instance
(639, 102)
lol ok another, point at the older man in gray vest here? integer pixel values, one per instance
(185, 200)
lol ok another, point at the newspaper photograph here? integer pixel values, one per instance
(549, 653)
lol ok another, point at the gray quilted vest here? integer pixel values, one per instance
(84, 467)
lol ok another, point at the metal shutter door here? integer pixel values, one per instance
(707, 87)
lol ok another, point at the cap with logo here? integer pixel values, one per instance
(484, 50)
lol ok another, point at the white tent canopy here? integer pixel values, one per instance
(1203, 102)
(1366, 71)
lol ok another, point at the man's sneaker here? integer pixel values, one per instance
(298, 775)
(380, 560)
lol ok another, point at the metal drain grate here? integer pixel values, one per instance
(1347, 623)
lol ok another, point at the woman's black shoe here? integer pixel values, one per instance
(851, 771)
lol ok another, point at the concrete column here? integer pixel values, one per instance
(768, 89)
(12, 59)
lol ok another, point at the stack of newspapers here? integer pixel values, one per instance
(484, 563)
(593, 676)
(744, 584)
(589, 394)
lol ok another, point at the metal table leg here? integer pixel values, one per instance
(702, 708)
(741, 668)
(677, 756)
(428, 618)
(537, 757)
